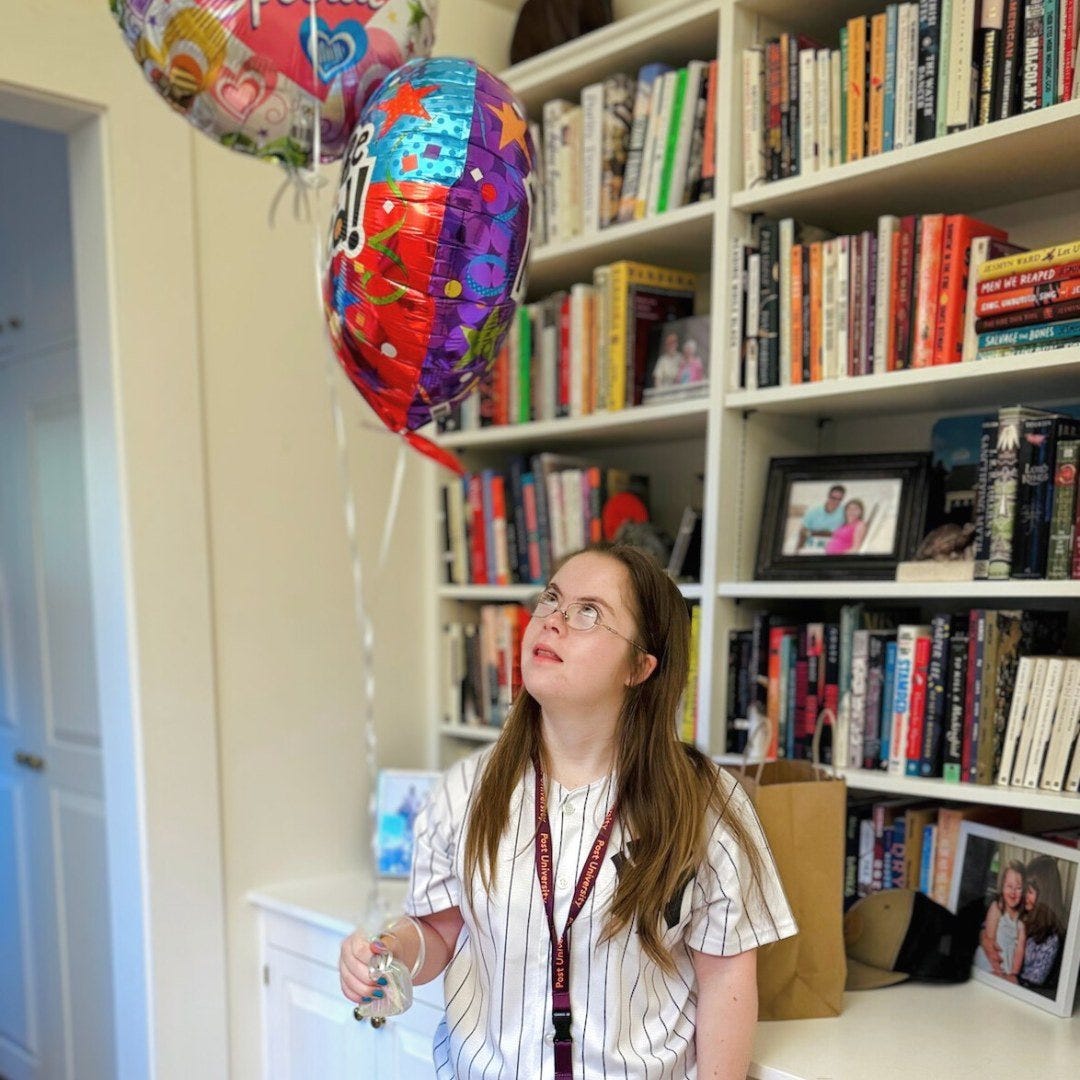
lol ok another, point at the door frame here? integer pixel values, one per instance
(144, 823)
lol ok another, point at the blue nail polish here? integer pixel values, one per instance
(365, 1001)
(383, 981)
(378, 993)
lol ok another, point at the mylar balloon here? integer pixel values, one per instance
(244, 71)
(429, 244)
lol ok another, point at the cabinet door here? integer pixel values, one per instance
(311, 1030)
(404, 1046)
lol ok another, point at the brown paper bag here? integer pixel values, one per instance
(802, 808)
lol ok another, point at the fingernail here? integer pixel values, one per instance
(378, 993)
(377, 947)
(384, 981)
(365, 1001)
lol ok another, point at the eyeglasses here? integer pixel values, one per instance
(580, 615)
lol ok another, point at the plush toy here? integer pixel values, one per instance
(543, 24)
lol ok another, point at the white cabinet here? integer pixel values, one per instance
(309, 1032)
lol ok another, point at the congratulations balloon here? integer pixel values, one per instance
(255, 74)
(430, 241)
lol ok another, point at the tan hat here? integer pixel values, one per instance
(899, 934)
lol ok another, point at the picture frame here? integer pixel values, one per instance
(678, 360)
(841, 516)
(1046, 935)
(400, 795)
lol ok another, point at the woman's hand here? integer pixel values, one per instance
(357, 952)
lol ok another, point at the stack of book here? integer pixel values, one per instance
(919, 699)
(629, 150)
(592, 348)
(511, 528)
(1029, 301)
(481, 665)
(1025, 497)
(910, 73)
(907, 844)
(808, 306)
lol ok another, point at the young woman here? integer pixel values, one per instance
(594, 889)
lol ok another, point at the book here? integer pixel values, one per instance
(953, 747)
(1028, 722)
(1046, 707)
(917, 707)
(928, 280)
(948, 833)
(1040, 258)
(930, 753)
(1035, 489)
(929, 65)
(959, 233)
(1003, 489)
(643, 295)
(1063, 512)
(1063, 731)
(907, 635)
(616, 121)
(633, 173)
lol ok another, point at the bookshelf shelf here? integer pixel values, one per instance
(689, 32)
(991, 794)
(992, 592)
(946, 387)
(644, 423)
(492, 594)
(1020, 158)
(680, 237)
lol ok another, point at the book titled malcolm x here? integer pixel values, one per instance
(678, 360)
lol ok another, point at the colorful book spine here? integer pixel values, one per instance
(917, 708)
(1044, 258)
(1063, 517)
(930, 756)
(952, 748)
(928, 281)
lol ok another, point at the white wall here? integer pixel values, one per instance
(246, 649)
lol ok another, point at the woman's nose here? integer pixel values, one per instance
(555, 621)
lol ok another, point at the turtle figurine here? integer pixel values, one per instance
(947, 542)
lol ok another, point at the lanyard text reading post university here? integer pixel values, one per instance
(560, 945)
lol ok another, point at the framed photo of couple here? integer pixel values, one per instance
(852, 516)
(1024, 892)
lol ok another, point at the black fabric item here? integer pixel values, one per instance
(938, 946)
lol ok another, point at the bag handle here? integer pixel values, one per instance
(759, 719)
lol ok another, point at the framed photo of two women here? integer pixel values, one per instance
(842, 516)
(1023, 891)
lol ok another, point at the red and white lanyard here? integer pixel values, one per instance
(560, 946)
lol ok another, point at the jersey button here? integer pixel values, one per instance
(567, 807)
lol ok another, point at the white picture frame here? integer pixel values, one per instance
(988, 862)
(400, 795)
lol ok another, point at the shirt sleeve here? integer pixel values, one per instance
(433, 883)
(733, 910)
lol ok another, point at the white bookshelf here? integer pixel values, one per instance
(1021, 174)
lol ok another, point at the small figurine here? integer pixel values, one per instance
(947, 543)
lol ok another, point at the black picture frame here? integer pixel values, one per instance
(895, 486)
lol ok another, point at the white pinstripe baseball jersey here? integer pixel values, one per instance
(630, 1019)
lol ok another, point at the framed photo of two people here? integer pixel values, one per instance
(852, 516)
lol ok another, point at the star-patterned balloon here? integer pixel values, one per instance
(430, 240)
(256, 74)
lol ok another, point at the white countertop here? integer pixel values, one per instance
(338, 903)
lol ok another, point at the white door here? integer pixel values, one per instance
(405, 1046)
(56, 1019)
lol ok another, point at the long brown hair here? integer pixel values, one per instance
(1046, 918)
(665, 788)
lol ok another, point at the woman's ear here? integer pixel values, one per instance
(644, 666)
